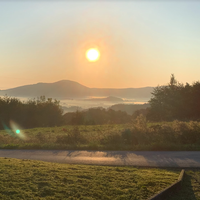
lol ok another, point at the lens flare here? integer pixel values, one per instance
(17, 129)
(7, 129)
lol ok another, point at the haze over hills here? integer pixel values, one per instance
(70, 89)
(110, 98)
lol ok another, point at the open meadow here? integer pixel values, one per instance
(139, 135)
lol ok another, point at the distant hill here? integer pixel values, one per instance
(144, 92)
(70, 89)
(61, 89)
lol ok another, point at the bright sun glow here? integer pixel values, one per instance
(92, 55)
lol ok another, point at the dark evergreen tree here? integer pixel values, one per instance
(175, 101)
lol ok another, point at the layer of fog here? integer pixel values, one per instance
(72, 105)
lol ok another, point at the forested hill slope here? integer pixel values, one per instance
(129, 108)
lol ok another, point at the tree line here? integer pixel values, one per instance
(42, 112)
(175, 101)
(38, 112)
(98, 116)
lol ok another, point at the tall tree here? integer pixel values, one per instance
(174, 101)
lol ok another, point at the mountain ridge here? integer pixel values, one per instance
(70, 89)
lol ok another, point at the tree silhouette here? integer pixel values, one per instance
(175, 101)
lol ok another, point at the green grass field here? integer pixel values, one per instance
(26, 179)
(136, 136)
(66, 137)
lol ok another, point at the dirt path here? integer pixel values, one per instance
(131, 158)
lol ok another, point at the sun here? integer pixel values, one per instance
(92, 55)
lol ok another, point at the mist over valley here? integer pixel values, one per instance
(74, 96)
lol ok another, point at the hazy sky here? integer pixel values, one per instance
(141, 42)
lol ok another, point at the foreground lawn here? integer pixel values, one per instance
(26, 179)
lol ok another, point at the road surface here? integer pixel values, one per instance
(125, 158)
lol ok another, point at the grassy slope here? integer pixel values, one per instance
(47, 138)
(140, 136)
(26, 179)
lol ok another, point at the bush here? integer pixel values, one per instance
(129, 137)
(187, 132)
(73, 137)
(41, 137)
(113, 139)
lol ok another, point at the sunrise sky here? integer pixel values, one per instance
(141, 43)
